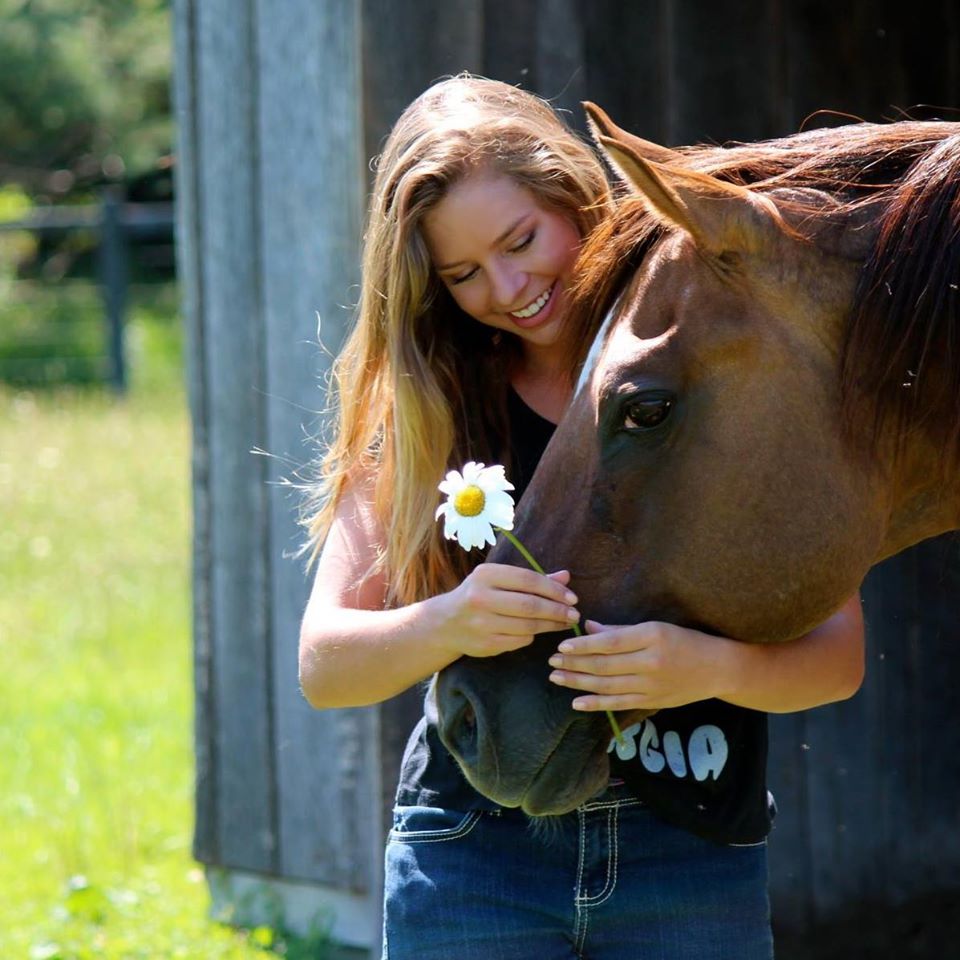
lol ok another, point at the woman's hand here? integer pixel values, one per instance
(500, 607)
(652, 666)
(646, 666)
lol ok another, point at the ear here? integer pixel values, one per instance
(600, 125)
(720, 217)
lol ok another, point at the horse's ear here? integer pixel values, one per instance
(600, 125)
(720, 217)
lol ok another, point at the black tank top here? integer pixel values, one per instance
(701, 767)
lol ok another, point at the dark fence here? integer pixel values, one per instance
(118, 223)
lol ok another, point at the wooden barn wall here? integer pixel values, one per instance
(280, 108)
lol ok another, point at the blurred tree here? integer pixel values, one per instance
(84, 91)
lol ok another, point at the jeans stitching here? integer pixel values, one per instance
(613, 831)
(580, 918)
(430, 836)
(606, 804)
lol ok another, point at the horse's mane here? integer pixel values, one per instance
(899, 352)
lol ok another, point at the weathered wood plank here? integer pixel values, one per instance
(408, 44)
(841, 59)
(629, 62)
(509, 33)
(190, 276)
(789, 846)
(311, 192)
(227, 158)
(561, 74)
(732, 95)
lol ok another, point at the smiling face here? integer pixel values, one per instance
(506, 259)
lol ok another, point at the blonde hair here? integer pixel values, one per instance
(415, 377)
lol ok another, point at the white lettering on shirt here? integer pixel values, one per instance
(705, 755)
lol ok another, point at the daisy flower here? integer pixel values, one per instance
(477, 503)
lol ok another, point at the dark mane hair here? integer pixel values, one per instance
(899, 355)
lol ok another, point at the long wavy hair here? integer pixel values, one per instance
(420, 386)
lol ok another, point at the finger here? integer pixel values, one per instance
(626, 701)
(610, 640)
(601, 665)
(507, 577)
(531, 607)
(601, 685)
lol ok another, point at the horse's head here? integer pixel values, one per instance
(702, 474)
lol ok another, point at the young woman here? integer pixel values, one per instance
(481, 201)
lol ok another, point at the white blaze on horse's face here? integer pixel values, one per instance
(596, 348)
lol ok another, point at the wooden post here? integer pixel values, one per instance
(114, 281)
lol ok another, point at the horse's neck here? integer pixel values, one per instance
(926, 503)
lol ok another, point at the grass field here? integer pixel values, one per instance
(95, 687)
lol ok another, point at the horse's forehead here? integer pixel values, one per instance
(589, 365)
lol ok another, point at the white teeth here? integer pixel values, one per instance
(534, 307)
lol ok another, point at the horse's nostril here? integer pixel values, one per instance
(461, 727)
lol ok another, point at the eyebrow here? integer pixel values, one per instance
(441, 267)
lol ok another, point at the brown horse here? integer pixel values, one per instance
(771, 407)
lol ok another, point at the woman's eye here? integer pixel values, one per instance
(524, 242)
(645, 413)
(463, 278)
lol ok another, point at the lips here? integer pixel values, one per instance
(533, 309)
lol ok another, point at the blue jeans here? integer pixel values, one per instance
(606, 882)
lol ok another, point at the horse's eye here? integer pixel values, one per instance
(646, 411)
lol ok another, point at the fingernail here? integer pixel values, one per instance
(570, 597)
(572, 614)
(556, 661)
(579, 704)
(556, 677)
(565, 647)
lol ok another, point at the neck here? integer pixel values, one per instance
(926, 501)
(543, 386)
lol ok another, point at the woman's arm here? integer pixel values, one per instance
(656, 665)
(354, 652)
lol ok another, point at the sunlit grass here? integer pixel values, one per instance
(95, 673)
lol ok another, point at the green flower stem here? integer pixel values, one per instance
(525, 553)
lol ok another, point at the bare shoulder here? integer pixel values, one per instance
(343, 575)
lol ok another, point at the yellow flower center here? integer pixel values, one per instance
(469, 501)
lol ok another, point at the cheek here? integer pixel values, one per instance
(567, 247)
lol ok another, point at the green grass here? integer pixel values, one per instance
(96, 758)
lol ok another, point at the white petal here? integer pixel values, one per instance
(450, 522)
(498, 499)
(452, 484)
(499, 517)
(472, 472)
(494, 478)
(475, 532)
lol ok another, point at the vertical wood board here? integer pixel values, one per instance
(232, 323)
(311, 189)
(189, 274)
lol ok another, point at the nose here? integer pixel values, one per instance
(507, 283)
(459, 729)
